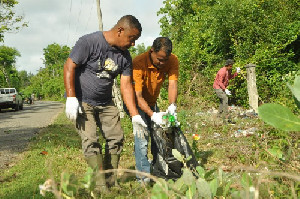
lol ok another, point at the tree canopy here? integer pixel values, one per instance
(9, 21)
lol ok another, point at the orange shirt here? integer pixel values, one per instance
(148, 79)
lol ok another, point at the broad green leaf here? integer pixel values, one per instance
(158, 193)
(203, 189)
(200, 171)
(246, 181)
(214, 186)
(296, 88)
(187, 177)
(178, 184)
(177, 155)
(208, 175)
(275, 151)
(279, 116)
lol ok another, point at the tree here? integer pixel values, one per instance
(207, 32)
(139, 49)
(9, 22)
(48, 82)
(8, 58)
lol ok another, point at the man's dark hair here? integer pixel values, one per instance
(130, 21)
(162, 43)
(229, 62)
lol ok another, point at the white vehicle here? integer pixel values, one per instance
(10, 98)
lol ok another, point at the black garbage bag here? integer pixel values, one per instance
(166, 165)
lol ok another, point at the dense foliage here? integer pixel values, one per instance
(48, 82)
(263, 32)
(9, 76)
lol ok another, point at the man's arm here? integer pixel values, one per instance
(143, 104)
(172, 91)
(69, 77)
(127, 92)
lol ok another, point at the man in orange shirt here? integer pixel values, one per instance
(150, 70)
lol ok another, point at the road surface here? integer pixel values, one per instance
(18, 127)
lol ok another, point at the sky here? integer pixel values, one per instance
(64, 21)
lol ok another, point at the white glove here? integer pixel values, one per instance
(172, 109)
(72, 108)
(238, 69)
(157, 118)
(227, 92)
(138, 124)
(137, 120)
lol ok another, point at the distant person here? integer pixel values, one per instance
(150, 70)
(89, 72)
(32, 98)
(220, 85)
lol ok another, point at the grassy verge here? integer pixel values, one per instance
(57, 149)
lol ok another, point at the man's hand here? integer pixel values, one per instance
(137, 120)
(157, 118)
(172, 109)
(227, 92)
(238, 69)
(72, 108)
(138, 124)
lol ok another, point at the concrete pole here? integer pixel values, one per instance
(99, 15)
(251, 87)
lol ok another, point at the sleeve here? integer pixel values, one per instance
(137, 75)
(80, 52)
(127, 69)
(174, 69)
(233, 76)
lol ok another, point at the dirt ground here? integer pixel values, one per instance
(18, 127)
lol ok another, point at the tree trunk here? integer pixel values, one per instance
(251, 87)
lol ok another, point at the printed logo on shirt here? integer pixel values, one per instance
(105, 71)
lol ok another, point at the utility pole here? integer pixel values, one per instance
(99, 15)
(115, 89)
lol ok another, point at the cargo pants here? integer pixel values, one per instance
(223, 107)
(107, 118)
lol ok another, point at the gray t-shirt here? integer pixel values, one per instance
(99, 63)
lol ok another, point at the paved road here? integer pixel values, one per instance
(17, 127)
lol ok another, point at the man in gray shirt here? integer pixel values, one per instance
(89, 72)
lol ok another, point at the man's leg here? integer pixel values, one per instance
(141, 148)
(87, 128)
(223, 108)
(110, 126)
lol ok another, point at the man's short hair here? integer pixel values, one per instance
(130, 21)
(162, 43)
(229, 62)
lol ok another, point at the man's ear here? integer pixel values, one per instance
(151, 49)
(120, 30)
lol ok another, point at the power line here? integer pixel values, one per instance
(78, 17)
(89, 17)
(70, 11)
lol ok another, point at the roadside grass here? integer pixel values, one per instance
(57, 149)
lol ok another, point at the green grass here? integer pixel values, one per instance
(216, 148)
(63, 147)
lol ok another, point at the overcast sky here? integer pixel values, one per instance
(64, 21)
